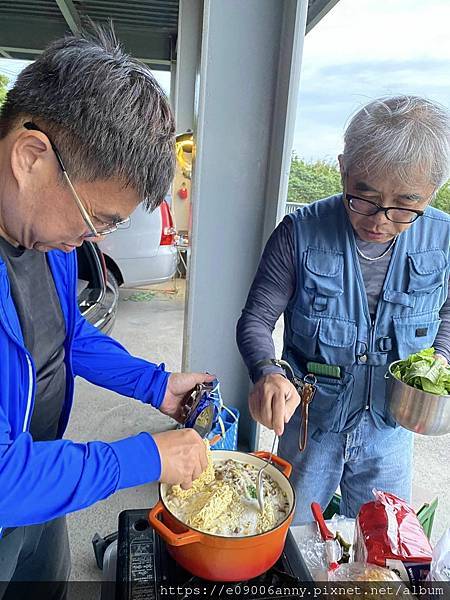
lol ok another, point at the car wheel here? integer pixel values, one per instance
(112, 281)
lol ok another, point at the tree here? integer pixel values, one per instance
(442, 199)
(3, 91)
(311, 181)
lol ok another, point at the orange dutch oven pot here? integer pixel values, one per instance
(226, 558)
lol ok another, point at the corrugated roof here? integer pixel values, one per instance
(147, 28)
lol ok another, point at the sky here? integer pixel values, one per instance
(361, 50)
(11, 68)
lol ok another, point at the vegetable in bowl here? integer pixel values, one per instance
(424, 371)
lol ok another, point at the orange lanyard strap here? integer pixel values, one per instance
(306, 396)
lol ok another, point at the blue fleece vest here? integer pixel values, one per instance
(328, 318)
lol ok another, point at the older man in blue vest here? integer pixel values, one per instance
(362, 279)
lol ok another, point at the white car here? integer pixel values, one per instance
(145, 251)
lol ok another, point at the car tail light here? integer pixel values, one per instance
(168, 231)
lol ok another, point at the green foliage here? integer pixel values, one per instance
(442, 199)
(3, 83)
(311, 181)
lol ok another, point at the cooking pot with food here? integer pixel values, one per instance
(218, 557)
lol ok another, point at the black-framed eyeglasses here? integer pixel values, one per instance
(370, 208)
(106, 228)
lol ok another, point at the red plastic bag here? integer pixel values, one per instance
(389, 534)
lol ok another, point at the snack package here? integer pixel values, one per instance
(361, 581)
(359, 571)
(389, 534)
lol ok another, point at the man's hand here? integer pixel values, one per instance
(178, 387)
(183, 456)
(441, 358)
(273, 401)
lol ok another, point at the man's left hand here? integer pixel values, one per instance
(441, 358)
(179, 386)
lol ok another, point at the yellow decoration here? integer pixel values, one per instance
(184, 144)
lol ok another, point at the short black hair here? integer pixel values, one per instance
(103, 110)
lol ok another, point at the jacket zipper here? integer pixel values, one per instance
(30, 387)
(30, 393)
(14, 338)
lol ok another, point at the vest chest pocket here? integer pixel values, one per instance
(304, 333)
(323, 275)
(332, 340)
(415, 333)
(337, 339)
(427, 271)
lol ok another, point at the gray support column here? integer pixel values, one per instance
(173, 73)
(188, 59)
(244, 111)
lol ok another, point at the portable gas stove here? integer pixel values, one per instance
(145, 570)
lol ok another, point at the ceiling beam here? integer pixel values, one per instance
(70, 14)
(40, 31)
(317, 9)
(154, 61)
(7, 49)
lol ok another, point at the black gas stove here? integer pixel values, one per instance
(145, 570)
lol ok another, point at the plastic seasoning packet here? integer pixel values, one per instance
(440, 562)
(202, 407)
(313, 548)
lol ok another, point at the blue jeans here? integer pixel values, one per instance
(358, 462)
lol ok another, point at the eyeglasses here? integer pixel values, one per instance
(369, 208)
(105, 228)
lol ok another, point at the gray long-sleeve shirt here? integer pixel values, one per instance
(275, 283)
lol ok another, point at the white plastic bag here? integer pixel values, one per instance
(440, 563)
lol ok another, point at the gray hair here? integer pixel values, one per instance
(103, 110)
(398, 135)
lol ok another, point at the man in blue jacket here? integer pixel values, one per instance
(362, 279)
(86, 134)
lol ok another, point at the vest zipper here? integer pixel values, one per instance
(365, 302)
(374, 322)
(371, 345)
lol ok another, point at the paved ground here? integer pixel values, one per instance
(150, 325)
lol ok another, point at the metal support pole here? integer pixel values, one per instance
(244, 111)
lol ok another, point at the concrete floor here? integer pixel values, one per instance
(150, 325)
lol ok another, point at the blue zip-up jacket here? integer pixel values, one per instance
(40, 481)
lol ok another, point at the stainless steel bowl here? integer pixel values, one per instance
(416, 410)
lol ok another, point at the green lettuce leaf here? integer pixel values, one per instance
(424, 372)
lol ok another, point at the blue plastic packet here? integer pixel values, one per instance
(203, 408)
